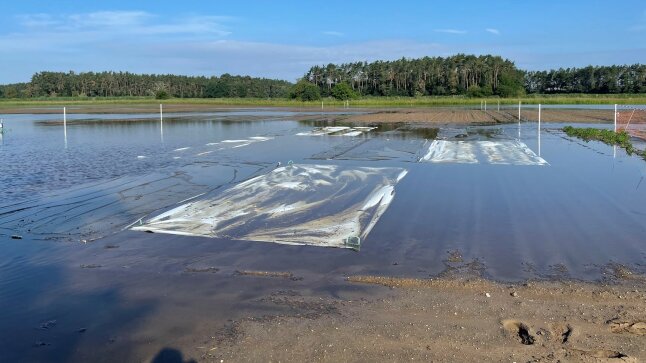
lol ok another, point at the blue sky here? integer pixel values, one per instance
(282, 39)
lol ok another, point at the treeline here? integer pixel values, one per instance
(469, 75)
(461, 74)
(609, 79)
(121, 84)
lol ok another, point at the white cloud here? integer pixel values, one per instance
(450, 31)
(107, 19)
(36, 20)
(493, 31)
(124, 22)
(333, 33)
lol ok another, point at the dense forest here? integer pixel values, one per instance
(469, 75)
(119, 84)
(611, 79)
(475, 76)
(456, 75)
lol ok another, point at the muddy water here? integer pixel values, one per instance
(81, 286)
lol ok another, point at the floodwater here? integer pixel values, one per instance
(80, 279)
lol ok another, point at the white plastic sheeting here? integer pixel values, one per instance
(442, 151)
(508, 152)
(337, 131)
(320, 205)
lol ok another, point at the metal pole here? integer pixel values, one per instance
(615, 117)
(498, 105)
(519, 102)
(485, 105)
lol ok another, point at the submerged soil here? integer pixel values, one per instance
(449, 319)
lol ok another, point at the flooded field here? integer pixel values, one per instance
(243, 204)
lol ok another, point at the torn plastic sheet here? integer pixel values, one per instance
(321, 205)
(507, 152)
(337, 131)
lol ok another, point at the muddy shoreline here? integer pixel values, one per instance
(448, 319)
(110, 301)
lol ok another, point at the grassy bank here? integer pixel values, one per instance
(436, 101)
(621, 139)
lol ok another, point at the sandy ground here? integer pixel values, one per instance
(447, 319)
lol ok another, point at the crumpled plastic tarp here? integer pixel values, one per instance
(322, 205)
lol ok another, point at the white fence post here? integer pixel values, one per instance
(65, 125)
(539, 129)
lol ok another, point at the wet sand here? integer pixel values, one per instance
(447, 319)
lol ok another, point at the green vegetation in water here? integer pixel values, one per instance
(609, 137)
